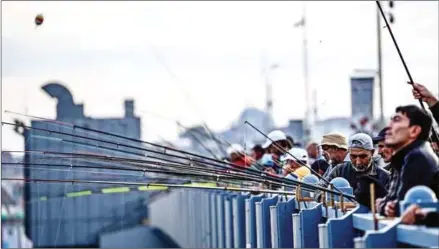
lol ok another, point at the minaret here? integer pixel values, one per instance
(308, 123)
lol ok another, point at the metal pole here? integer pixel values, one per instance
(380, 77)
(305, 76)
(269, 98)
(268, 94)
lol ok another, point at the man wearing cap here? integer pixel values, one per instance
(294, 161)
(384, 151)
(336, 146)
(360, 170)
(237, 156)
(276, 144)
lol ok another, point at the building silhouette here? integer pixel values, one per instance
(361, 120)
(52, 219)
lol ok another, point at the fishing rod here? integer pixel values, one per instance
(215, 138)
(124, 151)
(294, 182)
(128, 152)
(73, 168)
(202, 145)
(248, 170)
(73, 181)
(123, 137)
(411, 82)
(73, 127)
(158, 166)
(248, 178)
(215, 174)
(111, 190)
(187, 179)
(297, 160)
(110, 158)
(257, 173)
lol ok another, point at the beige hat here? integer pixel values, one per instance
(335, 139)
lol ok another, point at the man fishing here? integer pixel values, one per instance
(275, 145)
(312, 150)
(414, 162)
(336, 147)
(360, 170)
(292, 166)
(257, 152)
(237, 156)
(384, 151)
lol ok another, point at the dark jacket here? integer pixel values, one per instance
(320, 166)
(430, 220)
(414, 165)
(435, 111)
(360, 181)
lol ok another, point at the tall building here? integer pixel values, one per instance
(52, 218)
(362, 93)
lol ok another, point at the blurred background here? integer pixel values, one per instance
(175, 73)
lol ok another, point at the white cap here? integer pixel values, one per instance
(298, 153)
(235, 148)
(275, 135)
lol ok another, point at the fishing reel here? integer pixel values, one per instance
(19, 127)
(339, 201)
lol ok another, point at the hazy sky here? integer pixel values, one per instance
(202, 60)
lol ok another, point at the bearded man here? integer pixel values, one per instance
(360, 170)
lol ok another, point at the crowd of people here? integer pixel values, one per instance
(404, 154)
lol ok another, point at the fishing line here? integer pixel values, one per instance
(389, 28)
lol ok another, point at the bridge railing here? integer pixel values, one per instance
(221, 219)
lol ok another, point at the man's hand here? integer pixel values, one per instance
(288, 169)
(421, 92)
(389, 209)
(411, 213)
(378, 203)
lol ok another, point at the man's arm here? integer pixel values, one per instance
(414, 172)
(382, 203)
(435, 111)
(422, 93)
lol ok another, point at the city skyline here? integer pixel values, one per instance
(172, 50)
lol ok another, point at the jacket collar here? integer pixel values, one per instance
(398, 158)
(372, 170)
